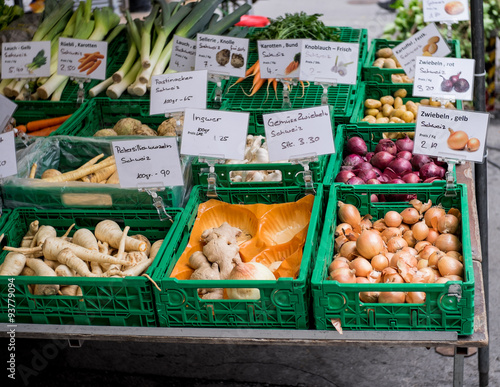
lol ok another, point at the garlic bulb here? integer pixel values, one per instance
(274, 176)
(248, 271)
(261, 156)
(255, 176)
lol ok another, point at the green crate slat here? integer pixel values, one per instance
(371, 135)
(105, 301)
(440, 312)
(376, 91)
(5, 214)
(376, 74)
(283, 304)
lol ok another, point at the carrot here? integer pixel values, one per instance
(256, 87)
(21, 128)
(94, 67)
(256, 79)
(269, 81)
(253, 68)
(291, 67)
(45, 123)
(275, 87)
(45, 132)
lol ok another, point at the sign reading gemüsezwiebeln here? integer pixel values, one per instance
(183, 54)
(148, 163)
(178, 91)
(445, 10)
(214, 133)
(8, 163)
(82, 58)
(25, 60)
(450, 133)
(296, 134)
(279, 58)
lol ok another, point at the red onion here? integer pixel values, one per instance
(343, 176)
(400, 166)
(356, 145)
(381, 160)
(411, 178)
(397, 181)
(440, 163)
(431, 179)
(404, 144)
(355, 181)
(432, 170)
(367, 175)
(404, 155)
(369, 156)
(386, 145)
(352, 160)
(346, 168)
(364, 166)
(390, 174)
(384, 178)
(374, 198)
(373, 181)
(400, 198)
(377, 171)
(418, 161)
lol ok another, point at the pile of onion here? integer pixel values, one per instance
(421, 244)
(392, 162)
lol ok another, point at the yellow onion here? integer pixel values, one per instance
(403, 227)
(393, 219)
(362, 280)
(421, 245)
(379, 225)
(456, 255)
(394, 260)
(433, 212)
(368, 297)
(434, 258)
(410, 250)
(366, 222)
(343, 275)
(348, 250)
(447, 224)
(374, 277)
(361, 267)
(442, 280)
(427, 251)
(408, 237)
(407, 266)
(339, 241)
(390, 232)
(424, 275)
(379, 262)
(352, 235)
(349, 214)
(420, 231)
(448, 242)
(415, 297)
(433, 234)
(422, 263)
(391, 297)
(337, 263)
(454, 277)
(410, 215)
(369, 244)
(342, 228)
(396, 244)
(390, 275)
(450, 266)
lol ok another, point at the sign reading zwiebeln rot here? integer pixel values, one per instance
(445, 10)
(148, 163)
(25, 60)
(329, 62)
(222, 55)
(444, 78)
(82, 58)
(7, 109)
(176, 92)
(450, 133)
(8, 163)
(214, 133)
(183, 54)
(279, 58)
(296, 134)
(426, 42)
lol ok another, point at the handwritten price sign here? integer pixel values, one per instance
(8, 163)
(25, 60)
(82, 58)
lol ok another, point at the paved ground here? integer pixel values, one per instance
(130, 364)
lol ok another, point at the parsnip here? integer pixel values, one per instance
(110, 232)
(68, 258)
(155, 247)
(41, 269)
(13, 264)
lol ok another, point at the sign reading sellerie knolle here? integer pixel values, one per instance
(148, 163)
(25, 60)
(82, 58)
(8, 163)
(176, 92)
(279, 58)
(450, 133)
(214, 133)
(183, 54)
(445, 10)
(297, 134)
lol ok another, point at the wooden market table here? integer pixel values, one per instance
(479, 338)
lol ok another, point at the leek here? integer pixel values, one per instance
(8, 89)
(83, 25)
(70, 27)
(129, 61)
(18, 88)
(56, 96)
(58, 27)
(51, 85)
(100, 87)
(116, 31)
(133, 30)
(146, 36)
(105, 21)
(52, 19)
(4, 83)
(116, 90)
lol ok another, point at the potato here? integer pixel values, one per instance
(424, 101)
(380, 115)
(384, 53)
(389, 64)
(432, 48)
(371, 112)
(396, 120)
(382, 120)
(398, 102)
(434, 40)
(399, 112)
(105, 133)
(406, 79)
(369, 119)
(412, 107)
(387, 99)
(400, 93)
(393, 57)
(379, 62)
(407, 117)
(387, 110)
(396, 78)
(372, 103)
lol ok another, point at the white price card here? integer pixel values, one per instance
(444, 78)
(296, 134)
(426, 42)
(178, 91)
(148, 163)
(7, 109)
(25, 60)
(82, 58)
(214, 133)
(279, 58)
(445, 10)
(183, 54)
(8, 163)
(329, 62)
(221, 55)
(450, 133)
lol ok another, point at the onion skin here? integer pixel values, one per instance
(389, 233)
(391, 297)
(369, 244)
(348, 250)
(421, 245)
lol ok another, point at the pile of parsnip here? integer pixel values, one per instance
(106, 252)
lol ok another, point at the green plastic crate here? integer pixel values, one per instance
(105, 301)
(442, 310)
(67, 153)
(5, 214)
(376, 74)
(371, 134)
(378, 90)
(283, 304)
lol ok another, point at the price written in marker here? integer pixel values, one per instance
(176, 92)
(82, 58)
(214, 133)
(445, 10)
(183, 54)
(450, 133)
(148, 163)
(279, 58)
(25, 60)
(7, 109)
(8, 163)
(298, 134)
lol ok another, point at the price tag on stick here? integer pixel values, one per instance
(214, 133)
(82, 58)
(176, 92)
(445, 10)
(148, 163)
(7, 109)
(450, 133)
(279, 58)
(183, 54)
(25, 60)
(8, 163)
(444, 78)
(298, 134)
